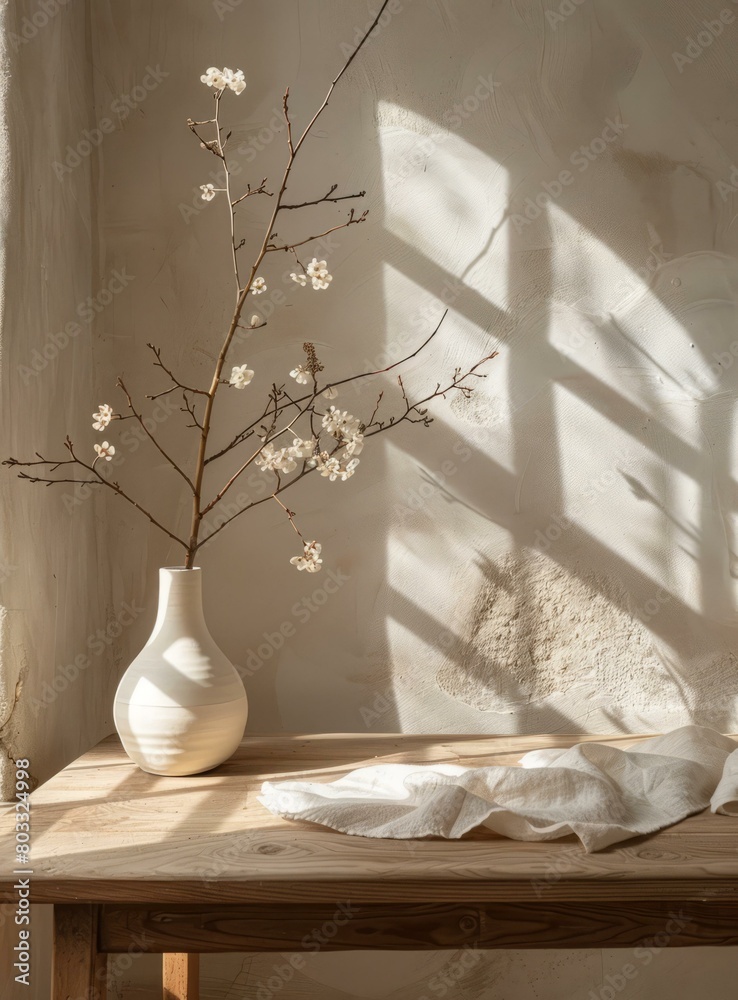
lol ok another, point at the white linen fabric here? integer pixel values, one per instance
(600, 793)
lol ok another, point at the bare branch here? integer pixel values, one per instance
(415, 413)
(353, 220)
(248, 431)
(151, 437)
(286, 113)
(324, 105)
(261, 189)
(190, 408)
(177, 384)
(212, 145)
(326, 197)
(99, 480)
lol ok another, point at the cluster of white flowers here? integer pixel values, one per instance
(310, 560)
(105, 451)
(103, 417)
(273, 459)
(317, 271)
(332, 467)
(344, 428)
(241, 376)
(300, 374)
(222, 78)
(258, 286)
(303, 448)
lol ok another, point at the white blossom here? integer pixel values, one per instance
(302, 448)
(258, 286)
(208, 192)
(257, 321)
(214, 77)
(318, 272)
(310, 560)
(341, 424)
(275, 460)
(103, 417)
(331, 392)
(241, 376)
(300, 279)
(331, 467)
(235, 80)
(222, 78)
(300, 375)
(349, 469)
(105, 451)
(354, 443)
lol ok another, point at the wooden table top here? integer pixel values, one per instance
(105, 831)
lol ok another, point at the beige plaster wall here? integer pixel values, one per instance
(556, 554)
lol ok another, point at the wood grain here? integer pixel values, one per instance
(181, 977)
(403, 928)
(79, 970)
(104, 831)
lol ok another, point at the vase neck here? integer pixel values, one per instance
(180, 599)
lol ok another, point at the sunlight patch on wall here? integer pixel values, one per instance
(444, 198)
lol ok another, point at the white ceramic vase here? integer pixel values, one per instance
(180, 707)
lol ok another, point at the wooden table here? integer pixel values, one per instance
(181, 866)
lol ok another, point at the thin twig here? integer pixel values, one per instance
(177, 384)
(151, 437)
(99, 480)
(326, 197)
(261, 189)
(247, 431)
(353, 220)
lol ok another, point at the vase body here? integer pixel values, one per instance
(180, 707)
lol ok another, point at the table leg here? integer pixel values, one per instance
(79, 971)
(181, 976)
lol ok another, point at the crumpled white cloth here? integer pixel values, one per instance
(600, 793)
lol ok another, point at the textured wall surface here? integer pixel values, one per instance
(557, 553)
(56, 672)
